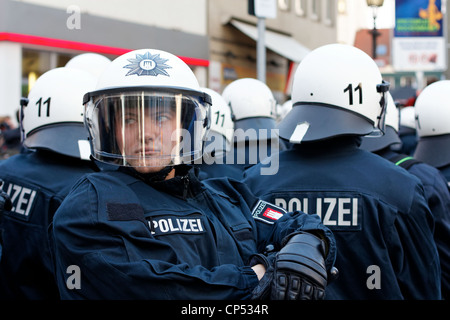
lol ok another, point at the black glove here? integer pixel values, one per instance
(262, 290)
(5, 200)
(299, 269)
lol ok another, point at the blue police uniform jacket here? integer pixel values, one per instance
(376, 210)
(37, 182)
(445, 170)
(222, 167)
(438, 198)
(243, 154)
(119, 237)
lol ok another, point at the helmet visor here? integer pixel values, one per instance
(147, 128)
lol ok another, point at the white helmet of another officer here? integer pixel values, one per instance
(220, 135)
(432, 109)
(147, 112)
(337, 90)
(91, 62)
(408, 117)
(53, 117)
(252, 103)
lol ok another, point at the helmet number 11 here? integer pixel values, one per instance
(219, 115)
(350, 90)
(39, 104)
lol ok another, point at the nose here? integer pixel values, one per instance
(152, 137)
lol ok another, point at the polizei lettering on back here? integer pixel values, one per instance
(337, 211)
(22, 199)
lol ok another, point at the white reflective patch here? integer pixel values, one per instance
(299, 132)
(85, 149)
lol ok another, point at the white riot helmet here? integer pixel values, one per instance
(252, 103)
(53, 117)
(220, 135)
(337, 90)
(147, 111)
(285, 108)
(390, 137)
(91, 62)
(432, 109)
(408, 117)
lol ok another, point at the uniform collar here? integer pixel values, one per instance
(184, 185)
(335, 144)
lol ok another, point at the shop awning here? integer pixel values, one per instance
(284, 45)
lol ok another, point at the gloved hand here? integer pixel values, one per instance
(5, 200)
(262, 290)
(299, 271)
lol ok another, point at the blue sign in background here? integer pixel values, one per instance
(418, 18)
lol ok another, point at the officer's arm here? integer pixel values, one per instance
(412, 245)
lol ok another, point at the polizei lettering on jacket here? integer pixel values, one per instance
(337, 211)
(176, 224)
(22, 199)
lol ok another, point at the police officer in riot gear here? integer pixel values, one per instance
(432, 109)
(434, 184)
(151, 229)
(219, 141)
(37, 180)
(254, 112)
(377, 211)
(407, 130)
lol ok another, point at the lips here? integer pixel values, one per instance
(149, 152)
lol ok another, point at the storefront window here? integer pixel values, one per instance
(37, 62)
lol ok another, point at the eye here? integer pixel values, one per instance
(162, 117)
(130, 120)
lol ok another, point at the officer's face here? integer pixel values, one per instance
(146, 137)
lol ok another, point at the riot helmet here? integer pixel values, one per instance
(337, 90)
(220, 136)
(52, 117)
(91, 62)
(252, 103)
(432, 110)
(147, 112)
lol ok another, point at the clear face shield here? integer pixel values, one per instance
(147, 129)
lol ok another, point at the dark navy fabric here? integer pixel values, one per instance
(408, 136)
(446, 172)
(438, 198)
(376, 210)
(244, 154)
(223, 167)
(176, 239)
(37, 182)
